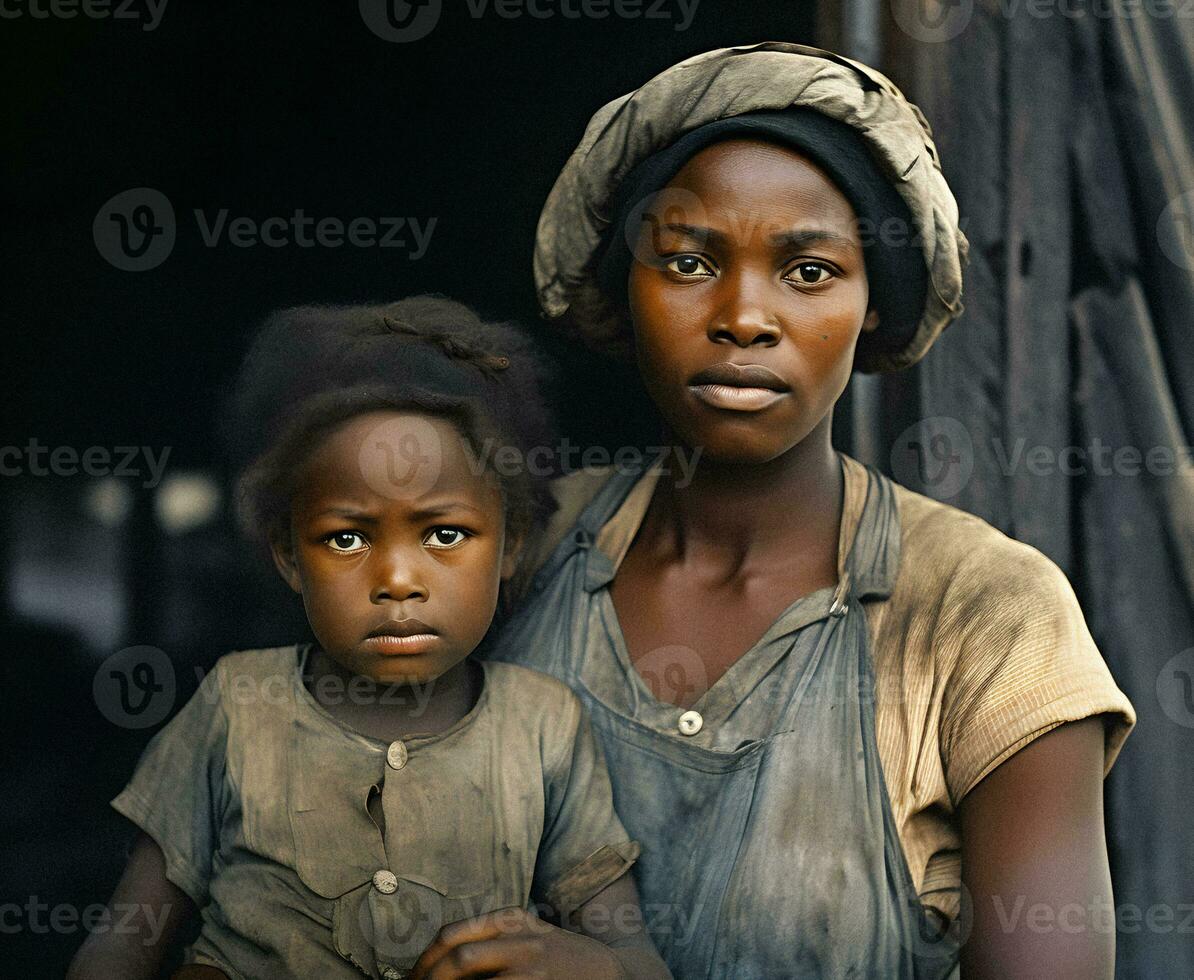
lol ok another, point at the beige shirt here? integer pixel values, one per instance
(258, 799)
(980, 648)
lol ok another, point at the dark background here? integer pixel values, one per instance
(262, 109)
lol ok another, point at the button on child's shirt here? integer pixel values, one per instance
(396, 755)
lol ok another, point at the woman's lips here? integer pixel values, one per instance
(401, 645)
(736, 399)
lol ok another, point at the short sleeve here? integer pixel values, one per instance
(584, 846)
(1026, 663)
(176, 794)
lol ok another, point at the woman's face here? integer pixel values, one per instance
(749, 259)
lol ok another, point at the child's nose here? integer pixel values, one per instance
(398, 579)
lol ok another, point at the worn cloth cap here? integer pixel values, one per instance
(579, 227)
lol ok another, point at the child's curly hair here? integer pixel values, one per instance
(311, 368)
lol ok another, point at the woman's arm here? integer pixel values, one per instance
(1034, 861)
(145, 914)
(611, 943)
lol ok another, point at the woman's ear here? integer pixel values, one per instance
(871, 321)
(282, 549)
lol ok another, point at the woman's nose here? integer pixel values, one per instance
(744, 318)
(398, 579)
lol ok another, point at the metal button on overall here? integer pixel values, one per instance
(690, 722)
(385, 881)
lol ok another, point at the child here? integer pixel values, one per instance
(328, 807)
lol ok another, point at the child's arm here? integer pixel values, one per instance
(144, 916)
(611, 944)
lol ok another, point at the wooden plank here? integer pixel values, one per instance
(1037, 416)
(829, 25)
(958, 83)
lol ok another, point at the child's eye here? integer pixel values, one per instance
(809, 273)
(446, 537)
(690, 266)
(345, 542)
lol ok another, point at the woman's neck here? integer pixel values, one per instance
(754, 514)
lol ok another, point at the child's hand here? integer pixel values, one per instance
(513, 941)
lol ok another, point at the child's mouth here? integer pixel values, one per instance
(391, 645)
(402, 636)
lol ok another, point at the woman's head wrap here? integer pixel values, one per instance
(847, 118)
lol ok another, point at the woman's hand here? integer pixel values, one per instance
(513, 942)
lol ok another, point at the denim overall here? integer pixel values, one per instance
(769, 845)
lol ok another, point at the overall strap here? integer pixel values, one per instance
(583, 533)
(873, 560)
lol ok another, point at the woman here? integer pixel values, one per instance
(750, 226)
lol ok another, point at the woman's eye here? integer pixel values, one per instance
(810, 273)
(446, 537)
(689, 265)
(344, 541)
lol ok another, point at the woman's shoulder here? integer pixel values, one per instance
(972, 594)
(959, 557)
(989, 630)
(572, 492)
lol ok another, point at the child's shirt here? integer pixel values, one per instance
(259, 800)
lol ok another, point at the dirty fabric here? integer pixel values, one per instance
(259, 801)
(824, 777)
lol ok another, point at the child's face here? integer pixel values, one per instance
(392, 532)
